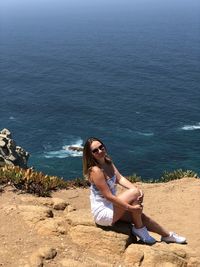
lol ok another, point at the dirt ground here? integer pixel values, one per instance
(175, 205)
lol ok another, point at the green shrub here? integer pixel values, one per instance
(34, 182)
(134, 178)
(78, 182)
(30, 181)
(177, 174)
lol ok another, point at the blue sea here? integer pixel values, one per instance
(127, 72)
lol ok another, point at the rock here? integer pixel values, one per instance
(176, 250)
(33, 214)
(55, 203)
(116, 243)
(8, 162)
(59, 204)
(73, 263)
(36, 260)
(156, 256)
(194, 262)
(8, 208)
(53, 226)
(47, 253)
(12, 158)
(38, 257)
(80, 217)
(69, 208)
(22, 157)
(75, 148)
(10, 153)
(44, 201)
(84, 217)
(34, 200)
(2, 162)
(133, 257)
(109, 241)
(99, 241)
(2, 143)
(5, 133)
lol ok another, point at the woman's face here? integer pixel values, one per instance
(97, 150)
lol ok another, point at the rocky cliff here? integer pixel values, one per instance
(10, 153)
(59, 231)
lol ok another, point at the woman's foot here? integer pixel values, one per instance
(143, 234)
(173, 238)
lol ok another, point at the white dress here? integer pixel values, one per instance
(102, 209)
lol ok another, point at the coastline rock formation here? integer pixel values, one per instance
(10, 153)
(76, 148)
(50, 234)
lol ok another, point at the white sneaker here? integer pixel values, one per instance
(143, 234)
(174, 238)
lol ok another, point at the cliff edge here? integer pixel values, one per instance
(59, 231)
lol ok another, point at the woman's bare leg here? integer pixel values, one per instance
(153, 226)
(137, 217)
(130, 196)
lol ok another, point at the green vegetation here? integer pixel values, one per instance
(166, 176)
(30, 181)
(78, 182)
(134, 178)
(177, 174)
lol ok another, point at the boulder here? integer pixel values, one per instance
(120, 247)
(10, 153)
(47, 253)
(35, 260)
(59, 204)
(33, 214)
(5, 133)
(75, 148)
(156, 256)
(80, 217)
(44, 253)
(52, 226)
(55, 203)
(101, 241)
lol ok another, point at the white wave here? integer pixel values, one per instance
(145, 133)
(65, 152)
(191, 127)
(11, 118)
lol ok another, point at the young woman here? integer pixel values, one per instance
(107, 207)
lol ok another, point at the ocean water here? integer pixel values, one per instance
(127, 72)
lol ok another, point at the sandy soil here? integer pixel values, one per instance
(175, 205)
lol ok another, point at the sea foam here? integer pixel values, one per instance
(146, 133)
(11, 118)
(191, 127)
(65, 152)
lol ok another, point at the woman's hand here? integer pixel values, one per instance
(141, 197)
(136, 208)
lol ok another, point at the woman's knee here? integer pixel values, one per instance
(130, 195)
(134, 192)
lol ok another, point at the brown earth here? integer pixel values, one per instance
(25, 240)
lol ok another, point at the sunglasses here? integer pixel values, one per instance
(95, 150)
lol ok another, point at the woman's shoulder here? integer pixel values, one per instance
(96, 170)
(96, 173)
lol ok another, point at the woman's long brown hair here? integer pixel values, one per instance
(88, 159)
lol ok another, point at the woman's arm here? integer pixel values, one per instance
(126, 183)
(122, 180)
(98, 178)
